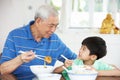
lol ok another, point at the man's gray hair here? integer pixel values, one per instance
(45, 11)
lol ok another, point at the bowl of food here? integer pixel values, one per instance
(44, 72)
(40, 69)
(83, 74)
(47, 76)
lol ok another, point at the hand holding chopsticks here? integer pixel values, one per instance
(67, 62)
(47, 59)
(26, 56)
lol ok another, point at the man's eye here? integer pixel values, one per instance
(51, 26)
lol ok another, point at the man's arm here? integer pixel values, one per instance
(9, 66)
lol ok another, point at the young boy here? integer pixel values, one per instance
(92, 49)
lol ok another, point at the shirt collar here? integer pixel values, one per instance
(30, 36)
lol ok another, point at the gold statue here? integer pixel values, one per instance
(107, 25)
(116, 30)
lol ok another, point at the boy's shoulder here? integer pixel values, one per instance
(78, 62)
(101, 65)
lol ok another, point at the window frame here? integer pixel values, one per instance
(67, 9)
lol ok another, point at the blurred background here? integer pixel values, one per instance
(78, 20)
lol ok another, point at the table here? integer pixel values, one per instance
(12, 77)
(108, 78)
(8, 77)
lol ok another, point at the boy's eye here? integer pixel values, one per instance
(84, 48)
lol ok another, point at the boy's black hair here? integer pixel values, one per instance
(96, 45)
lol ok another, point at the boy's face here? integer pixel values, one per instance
(84, 53)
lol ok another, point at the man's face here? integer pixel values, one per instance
(48, 26)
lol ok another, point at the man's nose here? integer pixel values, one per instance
(53, 29)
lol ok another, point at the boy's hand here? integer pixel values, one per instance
(68, 63)
(88, 67)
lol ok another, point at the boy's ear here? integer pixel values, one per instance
(93, 57)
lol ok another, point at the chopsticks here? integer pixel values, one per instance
(37, 56)
(64, 57)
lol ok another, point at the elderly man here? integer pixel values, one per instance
(37, 37)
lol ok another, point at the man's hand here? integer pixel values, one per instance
(27, 56)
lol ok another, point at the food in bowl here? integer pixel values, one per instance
(47, 76)
(82, 73)
(39, 69)
(48, 59)
(91, 76)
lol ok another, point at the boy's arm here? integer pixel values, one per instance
(105, 69)
(114, 72)
(66, 64)
(115, 66)
(58, 69)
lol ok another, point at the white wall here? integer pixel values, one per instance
(15, 13)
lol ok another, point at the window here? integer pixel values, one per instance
(58, 5)
(77, 14)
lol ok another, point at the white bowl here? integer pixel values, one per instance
(40, 69)
(50, 76)
(83, 75)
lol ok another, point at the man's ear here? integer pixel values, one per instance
(93, 57)
(38, 20)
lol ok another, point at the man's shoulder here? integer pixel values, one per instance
(17, 30)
